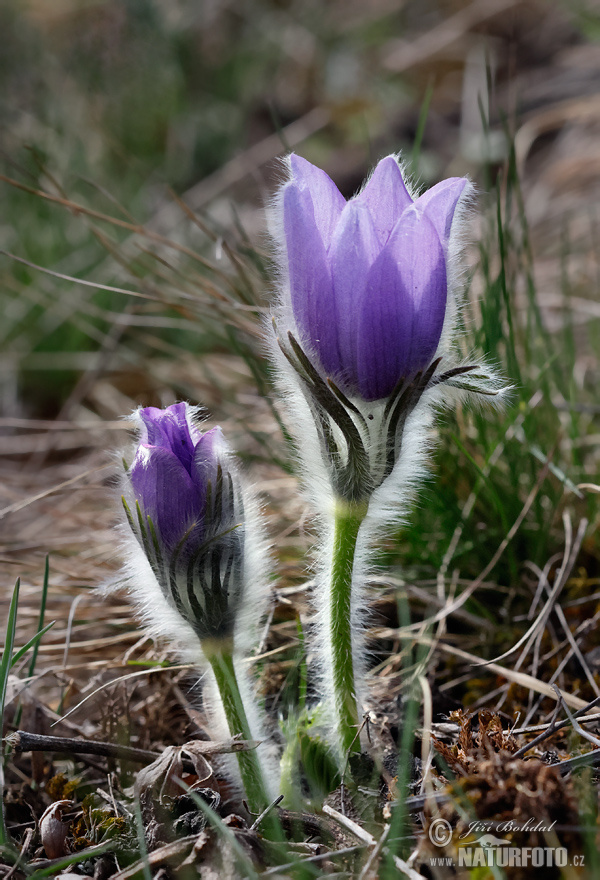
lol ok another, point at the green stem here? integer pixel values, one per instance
(223, 667)
(347, 522)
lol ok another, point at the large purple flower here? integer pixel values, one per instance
(368, 277)
(173, 466)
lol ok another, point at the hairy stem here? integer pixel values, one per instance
(347, 522)
(253, 781)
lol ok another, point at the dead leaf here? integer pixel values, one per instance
(53, 831)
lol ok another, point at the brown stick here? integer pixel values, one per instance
(22, 741)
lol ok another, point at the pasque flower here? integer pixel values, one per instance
(366, 313)
(182, 485)
(368, 278)
(197, 567)
(364, 326)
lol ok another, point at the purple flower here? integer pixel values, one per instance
(368, 277)
(185, 507)
(173, 467)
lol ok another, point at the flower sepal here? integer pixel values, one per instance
(361, 441)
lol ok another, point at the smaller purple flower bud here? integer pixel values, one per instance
(173, 466)
(185, 508)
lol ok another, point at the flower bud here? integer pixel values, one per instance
(185, 507)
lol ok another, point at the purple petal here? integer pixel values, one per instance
(207, 454)
(403, 311)
(327, 200)
(423, 273)
(354, 249)
(439, 204)
(165, 492)
(386, 196)
(152, 432)
(169, 429)
(311, 287)
(176, 427)
(385, 329)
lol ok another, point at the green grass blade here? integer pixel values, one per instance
(423, 114)
(141, 836)
(302, 668)
(400, 823)
(32, 643)
(35, 641)
(224, 832)
(5, 665)
(57, 867)
(41, 630)
(511, 355)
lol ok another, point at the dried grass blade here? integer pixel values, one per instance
(451, 607)
(157, 857)
(570, 556)
(520, 678)
(82, 281)
(152, 671)
(19, 505)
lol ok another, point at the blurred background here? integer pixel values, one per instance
(112, 104)
(138, 148)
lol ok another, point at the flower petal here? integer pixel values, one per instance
(439, 204)
(386, 196)
(385, 325)
(170, 429)
(403, 311)
(423, 274)
(165, 492)
(207, 455)
(177, 428)
(311, 287)
(152, 432)
(354, 249)
(327, 200)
